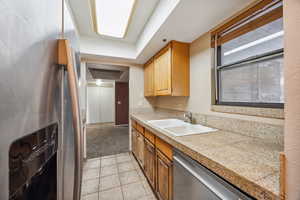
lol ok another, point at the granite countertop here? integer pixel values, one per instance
(250, 164)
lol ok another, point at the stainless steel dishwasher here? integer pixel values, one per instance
(192, 181)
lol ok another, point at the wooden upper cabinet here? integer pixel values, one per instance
(180, 61)
(171, 71)
(149, 78)
(162, 71)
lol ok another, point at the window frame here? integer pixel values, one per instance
(238, 64)
(218, 67)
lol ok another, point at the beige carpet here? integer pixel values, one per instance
(106, 139)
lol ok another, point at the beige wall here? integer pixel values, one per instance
(201, 63)
(136, 89)
(292, 95)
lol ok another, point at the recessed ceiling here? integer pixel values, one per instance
(85, 15)
(107, 72)
(152, 21)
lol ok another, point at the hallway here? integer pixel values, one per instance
(106, 139)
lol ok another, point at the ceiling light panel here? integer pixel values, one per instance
(113, 17)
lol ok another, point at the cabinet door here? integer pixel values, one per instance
(149, 78)
(149, 162)
(164, 177)
(134, 141)
(140, 149)
(162, 72)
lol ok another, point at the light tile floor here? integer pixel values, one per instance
(115, 177)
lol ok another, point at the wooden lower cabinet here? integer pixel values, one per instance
(137, 140)
(164, 181)
(134, 141)
(155, 158)
(140, 148)
(149, 162)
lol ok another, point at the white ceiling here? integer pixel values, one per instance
(152, 21)
(83, 15)
(139, 19)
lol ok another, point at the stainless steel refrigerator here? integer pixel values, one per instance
(35, 105)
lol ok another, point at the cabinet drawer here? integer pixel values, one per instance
(164, 147)
(133, 123)
(140, 128)
(150, 136)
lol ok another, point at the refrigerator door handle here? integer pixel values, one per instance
(65, 58)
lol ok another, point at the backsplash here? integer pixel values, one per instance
(255, 129)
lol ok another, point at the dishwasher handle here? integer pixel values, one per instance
(185, 164)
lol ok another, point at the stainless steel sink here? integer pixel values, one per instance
(178, 127)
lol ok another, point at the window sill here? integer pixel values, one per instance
(277, 113)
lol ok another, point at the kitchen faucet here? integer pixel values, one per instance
(188, 117)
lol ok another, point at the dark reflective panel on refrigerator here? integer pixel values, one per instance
(32, 166)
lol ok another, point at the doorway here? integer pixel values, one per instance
(107, 130)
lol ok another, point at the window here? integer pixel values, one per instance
(249, 58)
(113, 16)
